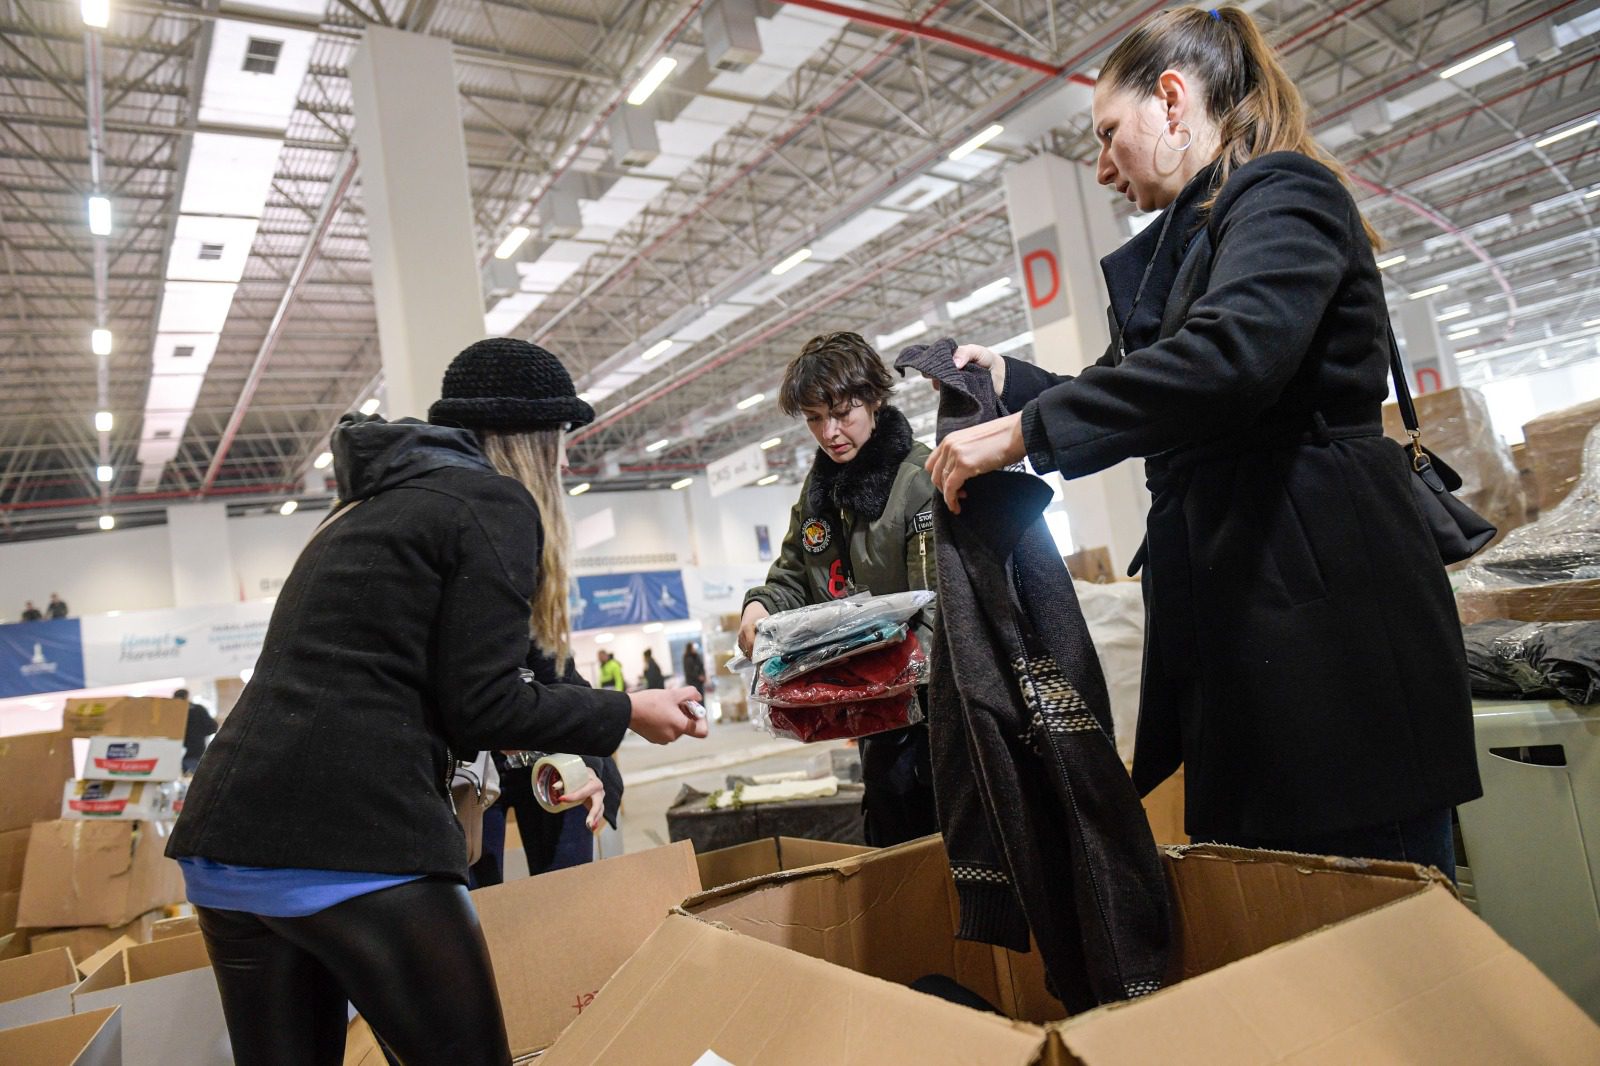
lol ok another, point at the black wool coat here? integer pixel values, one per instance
(394, 647)
(1303, 655)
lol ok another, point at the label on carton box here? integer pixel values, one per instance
(126, 800)
(129, 758)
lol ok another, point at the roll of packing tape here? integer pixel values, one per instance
(556, 776)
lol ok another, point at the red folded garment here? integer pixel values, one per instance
(889, 671)
(840, 721)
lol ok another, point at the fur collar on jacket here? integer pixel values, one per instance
(863, 484)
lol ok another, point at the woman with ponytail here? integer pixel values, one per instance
(1303, 659)
(318, 841)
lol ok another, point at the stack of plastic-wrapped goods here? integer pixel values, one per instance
(843, 669)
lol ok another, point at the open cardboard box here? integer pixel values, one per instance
(96, 873)
(92, 1039)
(87, 940)
(33, 767)
(171, 1009)
(1279, 958)
(35, 988)
(727, 866)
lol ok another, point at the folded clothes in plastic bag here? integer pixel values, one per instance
(891, 670)
(827, 623)
(837, 721)
(1539, 659)
(790, 665)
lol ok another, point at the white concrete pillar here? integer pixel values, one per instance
(1062, 224)
(1428, 356)
(418, 203)
(202, 558)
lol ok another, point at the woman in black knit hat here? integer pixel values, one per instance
(318, 840)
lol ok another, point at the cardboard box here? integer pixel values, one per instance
(1555, 449)
(1552, 601)
(361, 1047)
(96, 873)
(1092, 565)
(727, 866)
(120, 758)
(13, 853)
(10, 903)
(1164, 809)
(92, 1039)
(36, 988)
(87, 941)
(170, 927)
(171, 1009)
(1279, 958)
(125, 716)
(109, 801)
(33, 767)
(556, 938)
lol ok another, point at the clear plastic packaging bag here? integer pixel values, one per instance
(890, 670)
(837, 721)
(827, 623)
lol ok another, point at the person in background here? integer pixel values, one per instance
(57, 607)
(653, 677)
(196, 733)
(1304, 660)
(30, 613)
(318, 841)
(863, 523)
(611, 673)
(694, 668)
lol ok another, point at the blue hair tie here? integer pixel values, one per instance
(1216, 17)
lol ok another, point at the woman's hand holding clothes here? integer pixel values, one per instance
(970, 452)
(659, 716)
(978, 355)
(753, 613)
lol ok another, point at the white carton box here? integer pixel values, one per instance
(128, 758)
(128, 801)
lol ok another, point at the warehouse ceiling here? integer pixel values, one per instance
(653, 280)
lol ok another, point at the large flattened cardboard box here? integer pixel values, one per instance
(96, 873)
(92, 1039)
(727, 866)
(171, 1009)
(36, 988)
(1279, 958)
(33, 766)
(556, 938)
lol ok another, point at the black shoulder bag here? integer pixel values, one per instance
(1458, 530)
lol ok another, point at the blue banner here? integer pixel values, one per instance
(601, 601)
(40, 657)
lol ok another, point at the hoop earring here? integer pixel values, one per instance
(1188, 137)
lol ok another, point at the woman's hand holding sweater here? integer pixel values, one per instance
(659, 716)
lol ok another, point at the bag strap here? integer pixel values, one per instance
(1402, 395)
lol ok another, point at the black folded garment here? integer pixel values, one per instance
(1543, 660)
(947, 988)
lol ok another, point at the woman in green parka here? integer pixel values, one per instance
(863, 523)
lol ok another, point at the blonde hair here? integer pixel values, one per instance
(533, 459)
(1256, 106)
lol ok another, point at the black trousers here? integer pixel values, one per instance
(411, 958)
(898, 777)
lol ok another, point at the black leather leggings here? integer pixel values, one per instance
(411, 958)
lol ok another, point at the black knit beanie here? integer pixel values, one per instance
(511, 385)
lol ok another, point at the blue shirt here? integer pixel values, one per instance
(278, 892)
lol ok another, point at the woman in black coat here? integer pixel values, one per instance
(1303, 657)
(318, 840)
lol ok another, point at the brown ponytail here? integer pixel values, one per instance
(1257, 108)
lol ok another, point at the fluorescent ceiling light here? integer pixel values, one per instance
(1433, 291)
(771, 443)
(586, 397)
(604, 638)
(324, 461)
(1392, 261)
(1571, 131)
(289, 507)
(982, 138)
(768, 480)
(1472, 61)
(512, 242)
(682, 483)
(1591, 194)
(370, 407)
(100, 341)
(1011, 344)
(102, 421)
(652, 80)
(108, 522)
(579, 489)
(657, 446)
(982, 296)
(1460, 312)
(654, 627)
(915, 329)
(96, 13)
(750, 401)
(1463, 353)
(1591, 322)
(1463, 334)
(655, 349)
(99, 216)
(793, 261)
(103, 474)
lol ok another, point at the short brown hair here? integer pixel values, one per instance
(834, 369)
